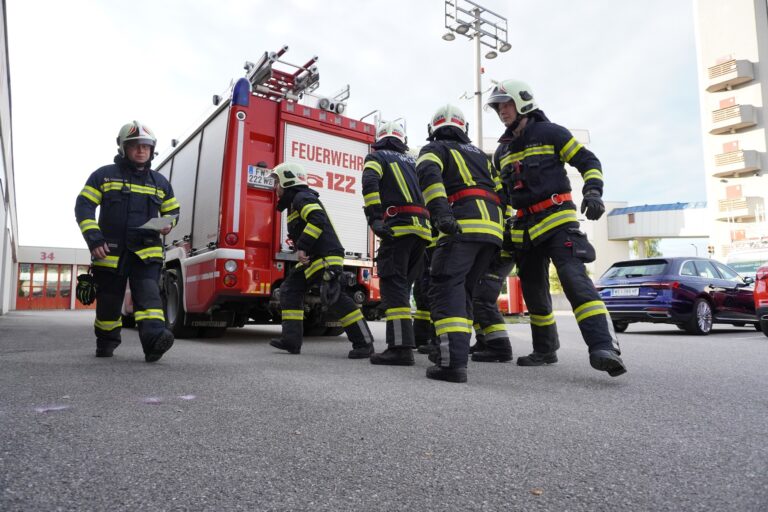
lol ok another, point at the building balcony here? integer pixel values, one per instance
(730, 74)
(743, 209)
(737, 164)
(733, 118)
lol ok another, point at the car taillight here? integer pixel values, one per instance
(671, 285)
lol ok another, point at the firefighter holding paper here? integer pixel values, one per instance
(531, 157)
(459, 188)
(396, 213)
(320, 260)
(128, 193)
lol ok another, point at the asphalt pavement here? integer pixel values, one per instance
(234, 424)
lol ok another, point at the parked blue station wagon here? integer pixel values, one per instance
(691, 292)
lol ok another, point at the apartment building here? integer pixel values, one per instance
(732, 49)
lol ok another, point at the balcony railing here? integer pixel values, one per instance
(737, 164)
(743, 209)
(732, 119)
(729, 74)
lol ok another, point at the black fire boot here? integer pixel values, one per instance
(105, 348)
(361, 351)
(427, 348)
(607, 361)
(291, 349)
(492, 356)
(159, 347)
(537, 359)
(447, 374)
(479, 346)
(394, 356)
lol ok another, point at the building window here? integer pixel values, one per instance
(631, 218)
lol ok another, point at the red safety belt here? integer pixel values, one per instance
(474, 192)
(392, 211)
(556, 199)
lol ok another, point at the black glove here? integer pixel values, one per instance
(381, 230)
(447, 224)
(592, 205)
(86, 289)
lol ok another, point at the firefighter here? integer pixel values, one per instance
(394, 208)
(128, 194)
(320, 260)
(531, 156)
(457, 182)
(423, 328)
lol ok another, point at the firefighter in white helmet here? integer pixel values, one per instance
(461, 191)
(128, 194)
(320, 259)
(531, 157)
(395, 211)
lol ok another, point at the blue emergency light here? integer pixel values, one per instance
(241, 92)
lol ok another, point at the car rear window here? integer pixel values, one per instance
(636, 269)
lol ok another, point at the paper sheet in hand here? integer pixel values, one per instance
(158, 223)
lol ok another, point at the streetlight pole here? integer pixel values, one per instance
(695, 248)
(485, 27)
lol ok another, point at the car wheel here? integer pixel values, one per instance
(620, 326)
(700, 322)
(758, 327)
(764, 326)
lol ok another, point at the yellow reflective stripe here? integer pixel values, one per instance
(150, 252)
(430, 157)
(522, 155)
(108, 325)
(375, 166)
(542, 320)
(328, 261)
(149, 314)
(173, 221)
(588, 309)
(293, 314)
(494, 328)
(293, 216)
(398, 313)
(593, 174)
(570, 149)
(453, 324)
(420, 231)
(466, 176)
(516, 235)
(487, 227)
(372, 199)
(170, 204)
(434, 191)
(400, 179)
(483, 209)
(351, 318)
(509, 212)
(138, 189)
(109, 261)
(312, 230)
(87, 225)
(552, 221)
(309, 208)
(422, 314)
(91, 194)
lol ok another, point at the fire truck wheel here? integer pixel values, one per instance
(174, 305)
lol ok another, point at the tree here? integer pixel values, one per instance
(651, 247)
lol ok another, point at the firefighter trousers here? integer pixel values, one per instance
(423, 328)
(490, 327)
(455, 270)
(398, 262)
(292, 292)
(566, 249)
(143, 279)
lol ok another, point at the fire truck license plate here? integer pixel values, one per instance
(259, 177)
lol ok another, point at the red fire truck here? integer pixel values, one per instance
(228, 254)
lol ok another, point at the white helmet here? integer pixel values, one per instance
(135, 131)
(391, 129)
(290, 174)
(514, 90)
(448, 115)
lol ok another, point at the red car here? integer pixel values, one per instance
(761, 297)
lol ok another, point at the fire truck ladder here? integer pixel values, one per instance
(277, 85)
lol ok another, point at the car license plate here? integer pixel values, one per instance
(625, 292)
(258, 177)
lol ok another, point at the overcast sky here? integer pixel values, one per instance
(80, 69)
